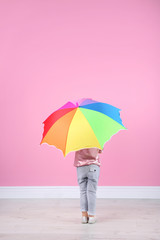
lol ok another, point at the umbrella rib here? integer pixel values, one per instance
(91, 128)
(68, 132)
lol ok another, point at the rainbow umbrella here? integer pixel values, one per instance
(84, 124)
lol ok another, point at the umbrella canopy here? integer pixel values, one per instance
(84, 124)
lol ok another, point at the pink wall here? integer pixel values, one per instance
(52, 52)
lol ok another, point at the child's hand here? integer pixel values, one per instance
(99, 151)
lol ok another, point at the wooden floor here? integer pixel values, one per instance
(49, 219)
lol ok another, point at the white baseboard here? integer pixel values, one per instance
(74, 192)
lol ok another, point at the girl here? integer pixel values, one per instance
(88, 170)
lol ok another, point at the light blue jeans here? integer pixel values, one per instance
(88, 177)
